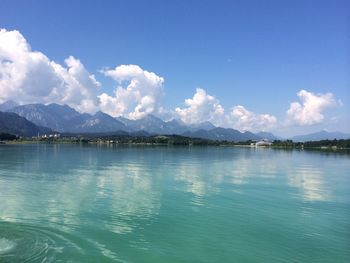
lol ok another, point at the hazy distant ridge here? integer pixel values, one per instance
(321, 135)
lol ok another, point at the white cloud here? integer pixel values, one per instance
(310, 110)
(242, 119)
(138, 93)
(30, 77)
(202, 107)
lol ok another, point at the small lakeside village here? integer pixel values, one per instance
(122, 139)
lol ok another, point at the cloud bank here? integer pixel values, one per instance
(141, 95)
(28, 76)
(243, 119)
(202, 107)
(310, 110)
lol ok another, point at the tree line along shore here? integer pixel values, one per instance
(171, 140)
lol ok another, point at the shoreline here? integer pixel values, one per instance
(107, 143)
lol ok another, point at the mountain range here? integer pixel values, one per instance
(222, 134)
(64, 119)
(321, 135)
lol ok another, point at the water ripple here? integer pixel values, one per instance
(25, 243)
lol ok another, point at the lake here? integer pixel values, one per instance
(81, 203)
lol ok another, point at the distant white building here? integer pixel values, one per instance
(263, 142)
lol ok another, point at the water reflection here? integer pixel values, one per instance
(65, 190)
(310, 181)
(195, 182)
(207, 173)
(131, 192)
(107, 199)
(124, 184)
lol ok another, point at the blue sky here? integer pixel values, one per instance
(258, 54)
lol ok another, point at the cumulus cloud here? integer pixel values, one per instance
(310, 110)
(29, 76)
(139, 92)
(202, 107)
(243, 119)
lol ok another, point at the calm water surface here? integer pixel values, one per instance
(71, 203)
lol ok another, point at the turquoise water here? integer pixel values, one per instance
(71, 203)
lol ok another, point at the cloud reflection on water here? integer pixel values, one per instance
(113, 192)
(310, 182)
(124, 185)
(208, 174)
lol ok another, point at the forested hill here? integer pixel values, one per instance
(17, 125)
